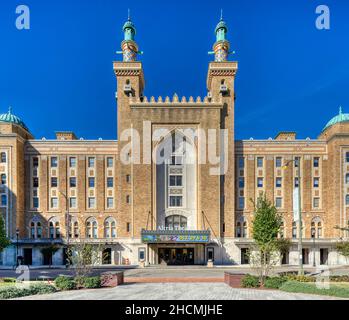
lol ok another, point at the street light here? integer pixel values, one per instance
(17, 235)
(313, 232)
(300, 245)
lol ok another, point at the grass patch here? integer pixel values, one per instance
(310, 288)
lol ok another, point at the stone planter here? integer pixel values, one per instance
(112, 279)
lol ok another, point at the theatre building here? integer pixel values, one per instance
(175, 188)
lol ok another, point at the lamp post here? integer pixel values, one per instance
(17, 235)
(297, 162)
(313, 232)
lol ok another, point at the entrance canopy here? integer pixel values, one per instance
(180, 236)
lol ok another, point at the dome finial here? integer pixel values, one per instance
(340, 110)
(128, 14)
(9, 110)
(221, 14)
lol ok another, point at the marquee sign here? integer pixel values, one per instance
(175, 236)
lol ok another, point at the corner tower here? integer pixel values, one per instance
(220, 85)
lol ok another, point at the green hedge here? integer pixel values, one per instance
(92, 282)
(310, 288)
(301, 278)
(250, 281)
(65, 283)
(17, 292)
(275, 282)
(339, 278)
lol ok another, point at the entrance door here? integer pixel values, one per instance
(176, 256)
(106, 256)
(305, 253)
(47, 258)
(28, 256)
(323, 256)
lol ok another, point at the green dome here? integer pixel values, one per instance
(221, 25)
(9, 117)
(341, 117)
(129, 25)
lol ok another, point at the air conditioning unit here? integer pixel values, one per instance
(127, 88)
(223, 89)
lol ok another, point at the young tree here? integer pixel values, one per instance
(4, 241)
(343, 249)
(83, 256)
(266, 226)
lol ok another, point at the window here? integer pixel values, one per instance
(316, 202)
(35, 182)
(91, 162)
(110, 203)
(32, 230)
(35, 162)
(35, 202)
(241, 183)
(54, 182)
(72, 202)
(347, 178)
(294, 230)
(241, 163)
(141, 254)
(176, 181)
(110, 182)
(245, 256)
(3, 179)
(296, 182)
(278, 202)
(54, 203)
(3, 157)
(296, 162)
(347, 199)
(176, 160)
(260, 182)
(278, 162)
(316, 228)
(91, 182)
(278, 183)
(210, 253)
(128, 178)
(241, 203)
(72, 162)
(128, 199)
(128, 227)
(110, 228)
(282, 230)
(3, 200)
(72, 182)
(316, 162)
(176, 201)
(316, 182)
(76, 229)
(38, 230)
(347, 157)
(260, 162)
(176, 222)
(54, 162)
(244, 230)
(91, 228)
(110, 162)
(91, 202)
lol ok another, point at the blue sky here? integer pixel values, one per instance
(58, 75)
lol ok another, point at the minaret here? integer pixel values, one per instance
(221, 46)
(129, 46)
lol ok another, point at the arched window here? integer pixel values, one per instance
(347, 199)
(54, 230)
(51, 230)
(76, 229)
(35, 230)
(316, 228)
(238, 229)
(294, 230)
(176, 222)
(3, 179)
(347, 157)
(244, 230)
(282, 230)
(57, 230)
(91, 228)
(347, 178)
(109, 228)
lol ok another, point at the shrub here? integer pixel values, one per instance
(275, 282)
(17, 292)
(8, 280)
(310, 288)
(249, 281)
(301, 278)
(92, 282)
(65, 283)
(339, 278)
